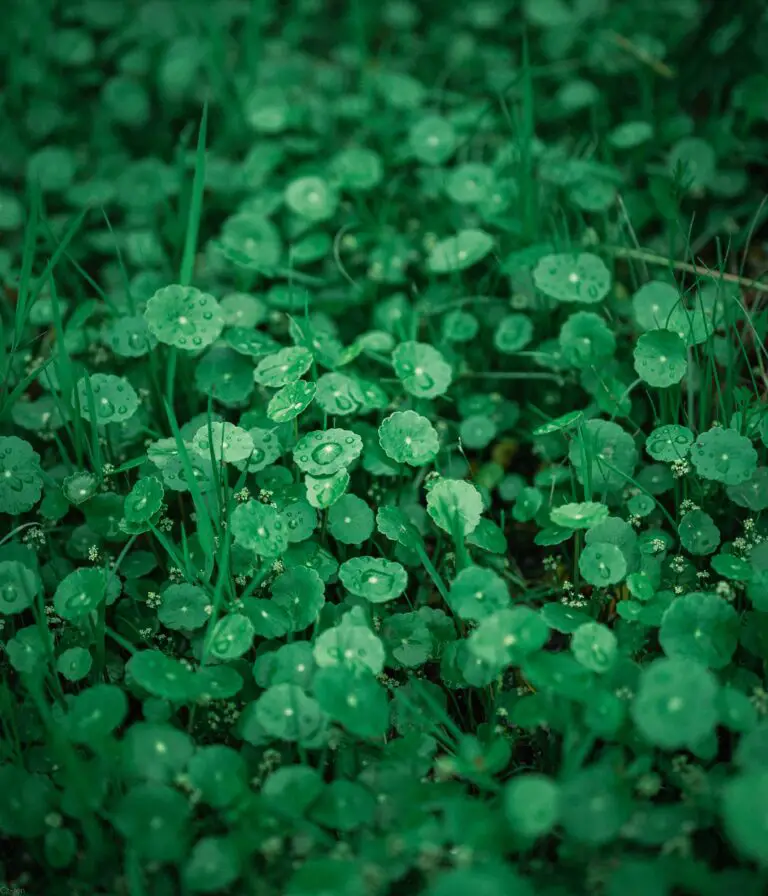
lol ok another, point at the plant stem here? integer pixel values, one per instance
(685, 267)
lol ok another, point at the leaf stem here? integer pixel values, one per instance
(684, 266)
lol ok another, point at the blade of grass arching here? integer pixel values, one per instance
(28, 253)
(171, 360)
(74, 771)
(59, 252)
(129, 465)
(429, 567)
(586, 463)
(759, 346)
(20, 388)
(725, 393)
(633, 482)
(744, 240)
(185, 548)
(193, 213)
(218, 592)
(64, 367)
(10, 743)
(710, 410)
(684, 267)
(178, 561)
(205, 526)
(223, 581)
(91, 283)
(195, 210)
(23, 299)
(99, 626)
(525, 146)
(133, 872)
(121, 265)
(96, 458)
(216, 465)
(253, 45)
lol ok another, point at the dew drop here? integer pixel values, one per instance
(9, 594)
(326, 454)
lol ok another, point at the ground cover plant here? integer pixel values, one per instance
(383, 448)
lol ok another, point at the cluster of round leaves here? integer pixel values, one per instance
(278, 552)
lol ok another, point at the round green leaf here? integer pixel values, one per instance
(422, 369)
(532, 804)
(432, 139)
(724, 455)
(20, 480)
(513, 333)
(161, 675)
(579, 515)
(312, 197)
(218, 773)
(291, 400)
(477, 593)
(300, 592)
(455, 506)
(350, 520)
(607, 452)
(669, 443)
(374, 578)
(259, 528)
(232, 636)
(74, 663)
(184, 317)
(653, 304)
(286, 712)
(153, 819)
(743, 805)
(355, 700)
(753, 493)
(144, 500)
(213, 865)
(80, 593)
(602, 564)
(266, 450)
(114, 398)
(324, 491)
(326, 452)
(95, 713)
(339, 395)
(225, 442)
(698, 533)
(18, 587)
(457, 253)
(570, 277)
(700, 626)
(660, 358)
(357, 168)
(184, 607)
(675, 705)
(283, 367)
(595, 647)
(586, 341)
(409, 438)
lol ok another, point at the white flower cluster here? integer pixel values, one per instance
(680, 468)
(572, 598)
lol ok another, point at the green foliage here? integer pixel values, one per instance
(383, 448)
